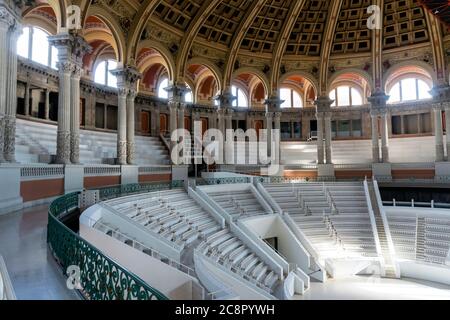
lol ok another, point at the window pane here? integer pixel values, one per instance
(99, 76)
(285, 94)
(409, 90)
(343, 96)
(424, 90)
(235, 94)
(356, 98)
(54, 58)
(297, 103)
(395, 93)
(333, 97)
(22, 43)
(188, 97)
(40, 47)
(161, 92)
(242, 99)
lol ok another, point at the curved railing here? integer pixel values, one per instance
(100, 278)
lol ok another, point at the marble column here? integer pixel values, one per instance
(438, 132)
(122, 126)
(63, 136)
(47, 104)
(323, 114)
(27, 99)
(221, 128)
(277, 127)
(269, 127)
(75, 115)
(328, 138)
(6, 20)
(375, 139)
(378, 107)
(447, 126)
(320, 136)
(384, 137)
(131, 145)
(11, 97)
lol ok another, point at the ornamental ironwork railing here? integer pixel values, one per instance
(99, 278)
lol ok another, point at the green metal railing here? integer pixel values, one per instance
(100, 277)
(129, 189)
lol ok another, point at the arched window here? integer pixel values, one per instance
(346, 96)
(241, 99)
(33, 44)
(292, 98)
(103, 74)
(410, 89)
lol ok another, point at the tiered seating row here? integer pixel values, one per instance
(238, 203)
(230, 252)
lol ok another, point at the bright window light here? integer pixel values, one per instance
(162, 93)
(102, 74)
(346, 96)
(33, 44)
(292, 98)
(241, 100)
(410, 89)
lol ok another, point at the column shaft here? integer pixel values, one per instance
(75, 116)
(131, 146)
(269, 127)
(4, 26)
(447, 127)
(277, 137)
(64, 101)
(47, 104)
(328, 147)
(27, 99)
(375, 139)
(320, 136)
(122, 127)
(439, 135)
(11, 96)
(384, 138)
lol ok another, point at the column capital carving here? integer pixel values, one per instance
(277, 115)
(273, 104)
(225, 99)
(270, 115)
(71, 47)
(441, 93)
(127, 77)
(177, 91)
(378, 101)
(323, 104)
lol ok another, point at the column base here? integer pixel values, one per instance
(376, 154)
(326, 172)
(10, 197)
(385, 154)
(442, 172)
(180, 173)
(73, 178)
(129, 175)
(382, 171)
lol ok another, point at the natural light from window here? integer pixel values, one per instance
(346, 96)
(33, 44)
(241, 98)
(103, 74)
(163, 94)
(292, 98)
(410, 89)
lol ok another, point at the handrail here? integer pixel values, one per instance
(100, 277)
(6, 288)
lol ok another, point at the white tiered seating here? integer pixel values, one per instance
(36, 142)
(437, 240)
(231, 253)
(334, 216)
(171, 214)
(403, 233)
(238, 203)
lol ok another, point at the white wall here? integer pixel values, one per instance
(288, 245)
(175, 284)
(428, 272)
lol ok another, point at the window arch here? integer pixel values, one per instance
(33, 44)
(241, 98)
(102, 74)
(409, 89)
(346, 96)
(292, 98)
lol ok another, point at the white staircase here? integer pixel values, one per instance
(36, 143)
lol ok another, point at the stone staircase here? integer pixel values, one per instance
(36, 143)
(420, 239)
(382, 236)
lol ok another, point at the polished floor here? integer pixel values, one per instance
(35, 275)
